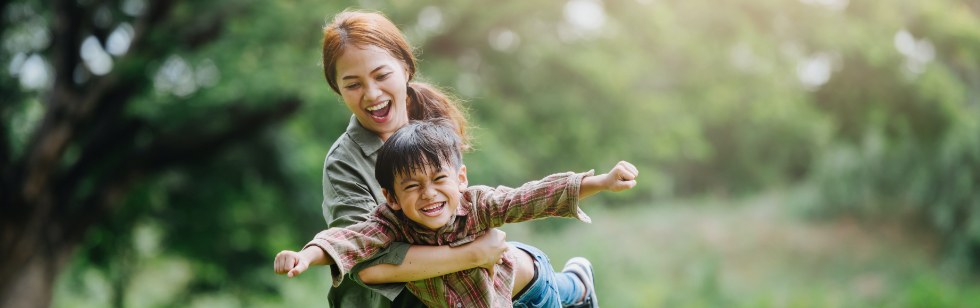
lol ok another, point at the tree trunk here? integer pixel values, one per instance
(31, 284)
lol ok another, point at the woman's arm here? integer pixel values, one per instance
(347, 201)
(423, 262)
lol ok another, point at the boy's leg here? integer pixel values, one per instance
(573, 287)
(580, 272)
(541, 291)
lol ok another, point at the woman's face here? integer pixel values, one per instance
(374, 87)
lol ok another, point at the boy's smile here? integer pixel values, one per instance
(433, 209)
(428, 197)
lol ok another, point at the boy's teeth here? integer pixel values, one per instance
(433, 207)
(378, 106)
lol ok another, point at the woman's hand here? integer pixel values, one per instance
(489, 249)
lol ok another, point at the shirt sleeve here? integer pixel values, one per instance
(348, 201)
(351, 245)
(394, 254)
(554, 196)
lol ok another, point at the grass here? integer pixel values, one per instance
(757, 252)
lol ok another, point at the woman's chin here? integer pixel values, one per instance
(382, 127)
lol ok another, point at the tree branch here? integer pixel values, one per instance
(106, 144)
(64, 110)
(50, 139)
(3, 12)
(66, 40)
(102, 86)
(4, 155)
(176, 149)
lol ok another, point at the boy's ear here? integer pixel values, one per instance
(392, 203)
(463, 182)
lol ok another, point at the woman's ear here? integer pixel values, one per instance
(392, 201)
(463, 182)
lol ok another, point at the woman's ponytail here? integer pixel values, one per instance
(427, 102)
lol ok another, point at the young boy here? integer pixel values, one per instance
(424, 181)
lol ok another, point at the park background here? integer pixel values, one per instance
(803, 153)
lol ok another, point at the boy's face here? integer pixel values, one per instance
(429, 197)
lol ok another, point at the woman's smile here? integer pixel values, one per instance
(379, 112)
(374, 86)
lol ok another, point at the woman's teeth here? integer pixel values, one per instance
(379, 111)
(378, 106)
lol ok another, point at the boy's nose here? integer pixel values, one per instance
(429, 193)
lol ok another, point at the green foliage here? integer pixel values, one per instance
(705, 97)
(661, 92)
(709, 253)
(908, 142)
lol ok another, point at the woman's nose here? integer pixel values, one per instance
(372, 92)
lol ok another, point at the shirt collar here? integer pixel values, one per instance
(464, 206)
(368, 141)
(461, 211)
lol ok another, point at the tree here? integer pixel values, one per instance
(89, 148)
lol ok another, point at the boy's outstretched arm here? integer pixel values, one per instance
(621, 177)
(294, 263)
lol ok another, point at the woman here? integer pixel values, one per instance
(368, 62)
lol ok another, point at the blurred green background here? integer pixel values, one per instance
(792, 153)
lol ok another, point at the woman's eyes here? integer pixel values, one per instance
(355, 86)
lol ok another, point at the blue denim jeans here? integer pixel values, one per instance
(549, 289)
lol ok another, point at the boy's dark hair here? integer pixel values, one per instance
(417, 146)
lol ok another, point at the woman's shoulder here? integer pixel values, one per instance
(346, 161)
(354, 145)
(343, 148)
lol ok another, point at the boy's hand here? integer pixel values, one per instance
(291, 263)
(621, 177)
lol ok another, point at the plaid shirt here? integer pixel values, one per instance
(481, 208)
